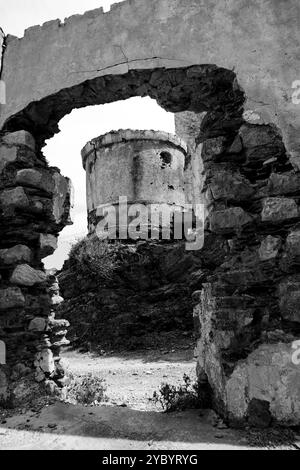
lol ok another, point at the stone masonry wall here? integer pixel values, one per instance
(248, 309)
(34, 207)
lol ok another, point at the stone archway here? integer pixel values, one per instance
(246, 311)
(200, 88)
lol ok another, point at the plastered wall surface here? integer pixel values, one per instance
(259, 40)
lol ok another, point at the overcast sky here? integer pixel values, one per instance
(81, 125)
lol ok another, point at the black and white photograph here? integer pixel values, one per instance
(149, 228)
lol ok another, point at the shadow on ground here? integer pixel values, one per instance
(65, 426)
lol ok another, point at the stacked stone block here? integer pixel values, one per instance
(34, 207)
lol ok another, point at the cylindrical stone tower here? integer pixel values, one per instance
(146, 167)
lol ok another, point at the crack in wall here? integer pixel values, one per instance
(128, 61)
(197, 88)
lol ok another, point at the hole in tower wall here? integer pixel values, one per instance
(166, 159)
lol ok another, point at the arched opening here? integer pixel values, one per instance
(138, 321)
(199, 88)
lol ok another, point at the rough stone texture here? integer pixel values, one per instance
(11, 297)
(45, 361)
(269, 248)
(12, 199)
(35, 179)
(16, 254)
(34, 206)
(248, 308)
(41, 192)
(7, 155)
(278, 209)
(287, 183)
(293, 242)
(38, 324)
(19, 138)
(62, 200)
(257, 140)
(258, 43)
(289, 295)
(25, 275)
(229, 186)
(229, 220)
(291, 255)
(149, 294)
(267, 374)
(48, 244)
(259, 413)
(3, 386)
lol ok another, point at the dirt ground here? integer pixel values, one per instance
(132, 377)
(128, 420)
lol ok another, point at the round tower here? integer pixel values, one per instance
(141, 167)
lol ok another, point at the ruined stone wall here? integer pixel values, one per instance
(34, 207)
(248, 309)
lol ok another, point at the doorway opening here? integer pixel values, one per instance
(138, 322)
(82, 125)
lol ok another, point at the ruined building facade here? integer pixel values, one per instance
(234, 94)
